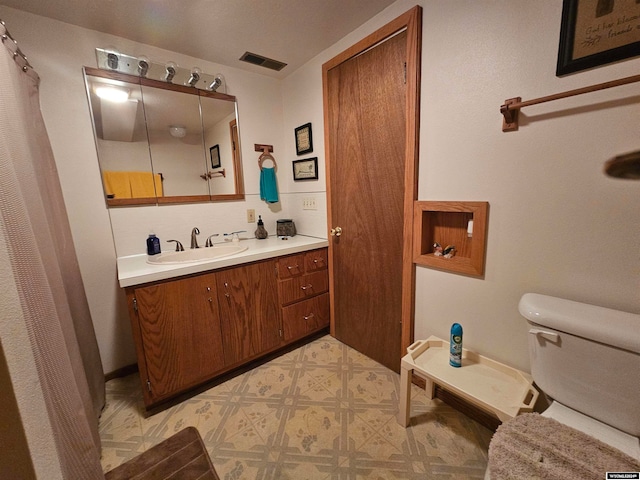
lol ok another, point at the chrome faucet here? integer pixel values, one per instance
(194, 240)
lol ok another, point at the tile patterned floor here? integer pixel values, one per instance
(323, 411)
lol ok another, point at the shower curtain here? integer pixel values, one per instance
(54, 308)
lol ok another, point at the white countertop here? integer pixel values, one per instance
(134, 269)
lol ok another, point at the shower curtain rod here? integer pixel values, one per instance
(13, 46)
(512, 106)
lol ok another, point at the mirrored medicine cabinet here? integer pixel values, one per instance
(161, 143)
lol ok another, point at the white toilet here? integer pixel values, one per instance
(587, 359)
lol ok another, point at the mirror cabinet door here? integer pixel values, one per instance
(219, 124)
(121, 141)
(176, 145)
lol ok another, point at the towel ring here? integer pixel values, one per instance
(266, 156)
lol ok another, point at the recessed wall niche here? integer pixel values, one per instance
(447, 223)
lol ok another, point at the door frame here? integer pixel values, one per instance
(412, 22)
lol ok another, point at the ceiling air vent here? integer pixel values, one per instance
(262, 61)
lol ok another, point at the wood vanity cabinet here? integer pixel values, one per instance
(303, 285)
(176, 329)
(189, 330)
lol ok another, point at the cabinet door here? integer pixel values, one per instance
(180, 333)
(249, 310)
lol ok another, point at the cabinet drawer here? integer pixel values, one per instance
(299, 288)
(305, 317)
(291, 266)
(315, 260)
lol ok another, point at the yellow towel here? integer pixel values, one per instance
(117, 184)
(132, 184)
(142, 184)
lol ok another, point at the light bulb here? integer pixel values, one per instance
(195, 76)
(217, 83)
(170, 68)
(113, 57)
(143, 65)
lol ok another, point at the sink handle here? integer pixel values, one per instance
(179, 247)
(209, 242)
(234, 236)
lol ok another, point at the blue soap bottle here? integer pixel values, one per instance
(153, 245)
(455, 346)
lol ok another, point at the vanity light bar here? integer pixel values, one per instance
(112, 60)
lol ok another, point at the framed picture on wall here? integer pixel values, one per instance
(214, 152)
(306, 169)
(597, 32)
(304, 139)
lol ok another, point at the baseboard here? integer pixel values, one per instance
(121, 372)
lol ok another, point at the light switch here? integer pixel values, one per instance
(309, 203)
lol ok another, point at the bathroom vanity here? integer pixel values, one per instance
(193, 322)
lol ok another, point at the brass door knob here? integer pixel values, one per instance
(336, 232)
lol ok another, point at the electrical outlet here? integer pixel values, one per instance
(251, 215)
(309, 203)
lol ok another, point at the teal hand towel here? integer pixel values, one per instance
(268, 185)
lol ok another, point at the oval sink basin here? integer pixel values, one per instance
(196, 255)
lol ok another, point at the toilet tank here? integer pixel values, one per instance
(586, 357)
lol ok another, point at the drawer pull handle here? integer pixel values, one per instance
(227, 295)
(309, 316)
(304, 287)
(210, 300)
(291, 267)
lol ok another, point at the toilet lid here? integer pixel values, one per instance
(605, 433)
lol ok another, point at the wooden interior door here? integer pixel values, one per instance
(371, 188)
